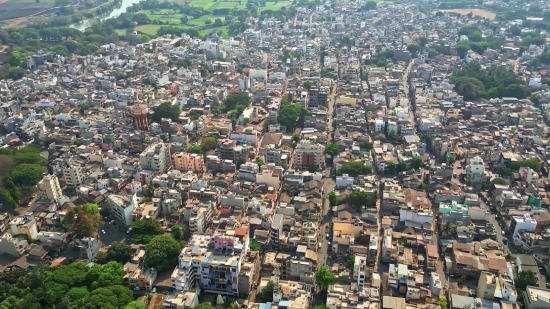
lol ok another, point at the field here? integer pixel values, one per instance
(476, 12)
(222, 4)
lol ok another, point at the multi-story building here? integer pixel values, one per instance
(200, 216)
(188, 162)
(122, 208)
(276, 231)
(167, 200)
(213, 262)
(359, 269)
(74, 175)
(156, 157)
(307, 154)
(493, 286)
(50, 185)
(475, 172)
(523, 223)
(537, 298)
(24, 225)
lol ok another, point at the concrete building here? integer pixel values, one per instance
(537, 298)
(492, 286)
(24, 225)
(156, 157)
(50, 185)
(475, 171)
(307, 154)
(188, 162)
(276, 231)
(523, 223)
(74, 175)
(122, 208)
(12, 246)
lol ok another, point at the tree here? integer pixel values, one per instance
(423, 41)
(460, 281)
(236, 98)
(526, 278)
(534, 98)
(392, 167)
(442, 301)
(296, 137)
(447, 228)
(402, 241)
(218, 22)
(332, 198)
(144, 230)
(204, 306)
(119, 252)
(266, 294)
(462, 48)
(350, 262)
(195, 149)
(289, 114)
(332, 150)
(135, 305)
(260, 163)
(417, 162)
(176, 231)
(307, 84)
(81, 222)
(355, 168)
(162, 252)
(209, 143)
(432, 53)
(105, 210)
(469, 87)
(413, 49)
(77, 293)
(324, 277)
(184, 19)
(166, 110)
(452, 159)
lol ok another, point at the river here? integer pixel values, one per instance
(117, 11)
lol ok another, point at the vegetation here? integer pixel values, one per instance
(442, 302)
(402, 241)
(83, 221)
(332, 198)
(350, 262)
(65, 286)
(144, 230)
(324, 277)
(195, 149)
(332, 149)
(289, 114)
(166, 110)
(473, 82)
(359, 199)
(118, 252)
(526, 278)
(266, 294)
(176, 231)
(515, 166)
(355, 168)
(162, 252)
(209, 143)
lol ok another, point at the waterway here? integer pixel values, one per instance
(114, 13)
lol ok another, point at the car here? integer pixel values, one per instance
(328, 236)
(103, 232)
(503, 233)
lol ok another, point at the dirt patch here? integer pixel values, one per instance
(476, 12)
(157, 301)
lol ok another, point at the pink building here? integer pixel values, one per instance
(188, 162)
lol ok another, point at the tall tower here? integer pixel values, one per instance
(139, 113)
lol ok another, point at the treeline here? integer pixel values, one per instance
(473, 82)
(20, 171)
(66, 15)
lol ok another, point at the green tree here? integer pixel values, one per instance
(296, 137)
(442, 301)
(526, 278)
(355, 168)
(166, 110)
(324, 277)
(432, 53)
(204, 306)
(417, 162)
(413, 49)
(26, 174)
(77, 293)
(144, 230)
(332, 198)
(307, 84)
(162, 252)
(266, 294)
(534, 98)
(236, 98)
(81, 222)
(402, 241)
(392, 167)
(312, 169)
(350, 262)
(176, 231)
(260, 163)
(195, 149)
(452, 159)
(289, 114)
(447, 228)
(462, 48)
(209, 143)
(105, 210)
(402, 166)
(423, 41)
(332, 150)
(119, 252)
(135, 305)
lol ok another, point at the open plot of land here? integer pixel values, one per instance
(475, 12)
(148, 29)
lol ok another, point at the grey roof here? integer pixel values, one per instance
(459, 301)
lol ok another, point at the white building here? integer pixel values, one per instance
(416, 215)
(344, 181)
(156, 157)
(360, 269)
(74, 175)
(307, 154)
(474, 171)
(122, 208)
(50, 185)
(523, 223)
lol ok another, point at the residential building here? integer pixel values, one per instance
(522, 223)
(188, 162)
(537, 298)
(50, 185)
(156, 157)
(122, 208)
(307, 154)
(74, 175)
(24, 225)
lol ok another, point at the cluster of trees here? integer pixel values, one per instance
(473, 82)
(67, 286)
(83, 221)
(20, 171)
(358, 199)
(166, 110)
(143, 231)
(515, 166)
(289, 114)
(235, 103)
(355, 168)
(380, 58)
(118, 252)
(400, 167)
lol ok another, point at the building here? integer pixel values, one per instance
(50, 185)
(492, 286)
(307, 154)
(24, 225)
(189, 162)
(122, 208)
(475, 172)
(185, 300)
(537, 298)
(74, 175)
(156, 157)
(523, 223)
(276, 231)
(139, 114)
(359, 269)
(12, 246)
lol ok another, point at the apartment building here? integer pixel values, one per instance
(74, 175)
(308, 154)
(50, 185)
(188, 162)
(122, 208)
(537, 298)
(24, 225)
(167, 200)
(156, 157)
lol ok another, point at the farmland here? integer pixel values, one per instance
(475, 12)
